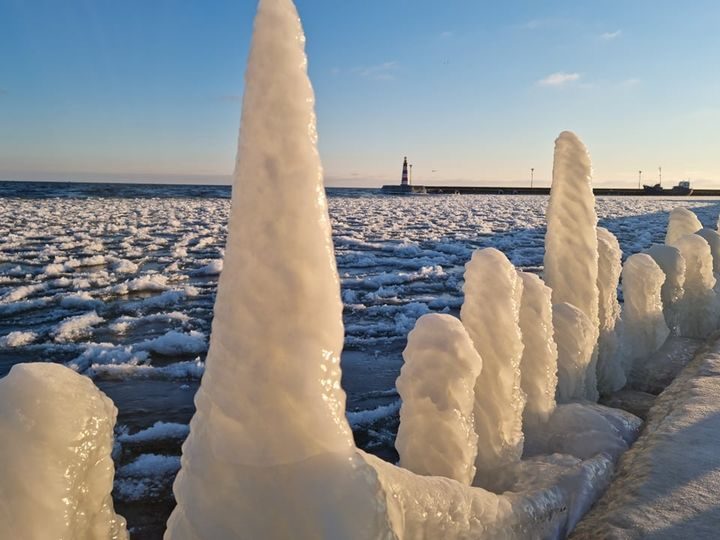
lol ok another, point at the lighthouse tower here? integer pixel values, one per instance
(405, 174)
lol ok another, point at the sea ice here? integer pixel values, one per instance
(17, 339)
(158, 431)
(74, 328)
(175, 343)
(437, 435)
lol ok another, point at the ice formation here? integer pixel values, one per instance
(491, 314)
(644, 327)
(575, 338)
(713, 238)
(539, 360)
(57, 473)
(610, 372)
(274, 361)
(672, 263)
(270, 425)
(437, 435)
(698, 310)
(585, 430)
(682, 221)
(571, 242)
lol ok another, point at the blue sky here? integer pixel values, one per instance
(470, 90)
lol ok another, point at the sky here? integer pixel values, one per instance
(472, 91)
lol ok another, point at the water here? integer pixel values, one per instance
(70, 249)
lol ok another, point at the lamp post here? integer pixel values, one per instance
(639, 179)
(532, 176)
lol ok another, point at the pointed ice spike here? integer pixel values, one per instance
(270, 453)
(571, 245)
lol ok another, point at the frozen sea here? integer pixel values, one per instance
(118, 282)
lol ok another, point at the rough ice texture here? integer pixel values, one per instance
(77, 327)
(491, 314)
(437, 435)
(644, 327)
(571, 243)
(712, 237)
(682, 221)
(545, 499)
(672, 264)
(584, 430)
(575, 338)
(57, 473)
(17, 339)
(270, 427)
(668, 482)
(698, 309)
(539, 360)
(610, 372)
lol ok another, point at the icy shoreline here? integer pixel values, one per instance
(510, 443)
(667, 485)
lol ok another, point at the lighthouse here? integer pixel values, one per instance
(406, 186)
(405, 181)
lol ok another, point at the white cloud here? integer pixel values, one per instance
(559, 79)
(380, 72)
(609, 36)
(629, 83)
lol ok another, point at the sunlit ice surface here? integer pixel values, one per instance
(119, 282)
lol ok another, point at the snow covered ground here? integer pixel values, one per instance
(120, 285)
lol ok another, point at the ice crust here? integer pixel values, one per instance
(644, 327)
(610, 371)
(437, 387)
(491, 314)
(57, 473)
